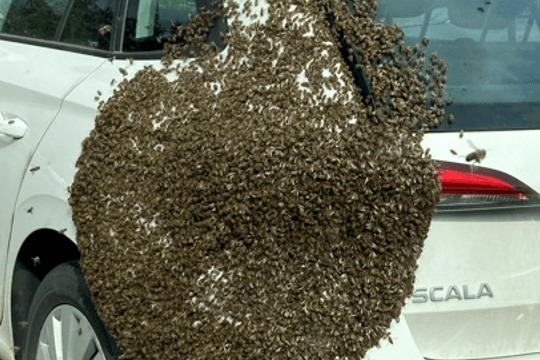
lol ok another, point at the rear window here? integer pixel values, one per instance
(149, 23)
(491, 49)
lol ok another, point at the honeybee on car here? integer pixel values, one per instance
(476, 155)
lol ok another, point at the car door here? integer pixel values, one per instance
(36, 74)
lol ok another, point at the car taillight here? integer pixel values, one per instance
(461, 185)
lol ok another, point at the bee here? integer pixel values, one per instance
(62, 230)
(130, 61)
(30, 210)
(481, 9)
(99, 93)
(24, 324)
(36, 260)
(390, 340)
(476, 155)
(96, 98)
(111, 59)
(453, 152)
(34, 169)
(80, 331)
(461, 134)
(113, 81)
(105, 29)
(123, 71)
(15, 349)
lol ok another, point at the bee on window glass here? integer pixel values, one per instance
(105, 28)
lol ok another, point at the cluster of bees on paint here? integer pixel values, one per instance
(246, 210)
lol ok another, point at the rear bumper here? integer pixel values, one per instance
(478, 289)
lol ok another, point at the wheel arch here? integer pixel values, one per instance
(42, 245)
(43, 236)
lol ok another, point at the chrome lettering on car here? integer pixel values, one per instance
(438, 293)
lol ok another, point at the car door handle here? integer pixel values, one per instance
(12, 126)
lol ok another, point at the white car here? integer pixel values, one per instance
(57, 60)
(477, 290)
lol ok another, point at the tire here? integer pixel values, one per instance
(62, 319)
(21, 300)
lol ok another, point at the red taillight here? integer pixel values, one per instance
(462, 185)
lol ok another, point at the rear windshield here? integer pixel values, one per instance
(492, 49)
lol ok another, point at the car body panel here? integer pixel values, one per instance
(32, 79)
(402, 347)
(6, 342)
(467, 249)
(470, 253)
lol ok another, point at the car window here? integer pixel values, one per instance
(31, 18)
(150, 22)
(90, 24)
(491, 49)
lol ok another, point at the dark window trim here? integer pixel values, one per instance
(499, 213)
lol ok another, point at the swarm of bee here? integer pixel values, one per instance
(259, 206)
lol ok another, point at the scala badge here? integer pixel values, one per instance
(439, 293)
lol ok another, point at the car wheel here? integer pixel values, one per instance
(63, 322)
(27, 283)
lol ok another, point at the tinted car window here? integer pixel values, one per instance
(90, 23)
(31, 18)
(491, 49)
(150, 22)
